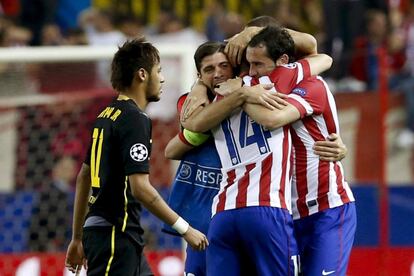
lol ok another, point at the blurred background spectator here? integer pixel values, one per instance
(35, 14)
(403, 81)
(15, 78)
(365, 62)
(100, 31)
(50, 228)
(130, 26)
(221, 24)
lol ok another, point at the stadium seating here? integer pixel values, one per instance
(15, 213)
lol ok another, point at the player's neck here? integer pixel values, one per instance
(139, 99)
(141, 102)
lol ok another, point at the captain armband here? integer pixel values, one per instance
(193, 138)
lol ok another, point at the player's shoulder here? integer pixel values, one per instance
(129, 111)
(132, 108)
(311, 84)
(298, 65)
(313, 80)
(281, 70)
(294, 65)
(289, 66)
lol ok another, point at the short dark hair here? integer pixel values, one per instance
(206, 49)
(130, 57)
(277, 41)
(263, 21)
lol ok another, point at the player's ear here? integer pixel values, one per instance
(283, 59)
(142, 74)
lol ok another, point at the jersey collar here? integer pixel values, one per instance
(123, 98)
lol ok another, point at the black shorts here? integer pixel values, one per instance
(109, 250)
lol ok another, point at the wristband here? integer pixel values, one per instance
(194, 138)
(181, 226)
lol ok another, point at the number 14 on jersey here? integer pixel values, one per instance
(249, 133)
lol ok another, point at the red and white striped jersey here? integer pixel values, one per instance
(316, 185)
(256, 161)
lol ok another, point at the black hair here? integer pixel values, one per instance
(277, 41)
(206, 49)
(129, 58)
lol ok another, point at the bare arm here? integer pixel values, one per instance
(332, 149)
(272, 119)
(305, 44)
(238, 43)
(176, 148)
(75, 256)
(83, 186)
(319, 63)
(143, 191)
(197, 97)
(207, 117)
(260, 93)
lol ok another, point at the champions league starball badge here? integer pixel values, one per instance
(139, 152)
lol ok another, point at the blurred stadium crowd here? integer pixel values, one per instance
(352, 32)
(358, 34)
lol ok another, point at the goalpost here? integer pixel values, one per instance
(183, 51)
(50, 54)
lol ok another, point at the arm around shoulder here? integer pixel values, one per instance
(213, 114)
(272, 119)
(305, 43)
(319, 63)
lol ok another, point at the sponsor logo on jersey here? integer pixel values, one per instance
(202, 176)
(208, 177)
(300, 91)
(139, 152)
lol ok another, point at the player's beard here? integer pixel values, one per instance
(153, 93)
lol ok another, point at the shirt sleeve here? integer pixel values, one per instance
(180, 102)
(135, 142)
(309, 97)
(305, 67)
(286, 77)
